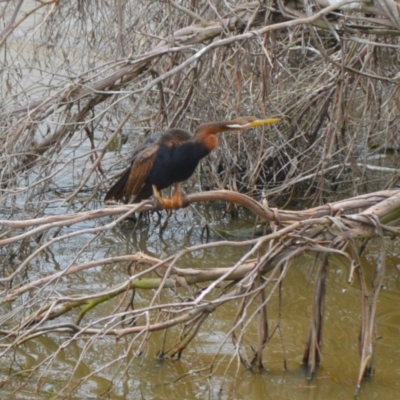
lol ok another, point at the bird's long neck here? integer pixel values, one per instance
(207, 134)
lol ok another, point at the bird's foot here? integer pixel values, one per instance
(174, 203)
(161, 204)
(178, 200)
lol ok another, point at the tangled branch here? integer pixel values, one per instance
(82, 82)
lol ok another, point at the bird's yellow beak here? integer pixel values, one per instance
(249, 122)
(258, 122)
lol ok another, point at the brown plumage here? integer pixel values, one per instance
(170, 157)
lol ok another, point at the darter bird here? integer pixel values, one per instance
(169, 158)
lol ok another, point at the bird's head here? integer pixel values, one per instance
(206, 133)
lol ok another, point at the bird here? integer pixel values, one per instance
(169, 158)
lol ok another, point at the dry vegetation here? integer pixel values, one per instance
(82, 81)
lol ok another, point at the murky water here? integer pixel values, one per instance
(191, 377)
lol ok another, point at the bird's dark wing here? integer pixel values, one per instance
(140, 169)
(134, 177)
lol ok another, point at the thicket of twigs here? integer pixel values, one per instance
(81, 82)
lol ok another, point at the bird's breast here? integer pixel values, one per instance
(175, 163)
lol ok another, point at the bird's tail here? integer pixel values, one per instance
(117, 191)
